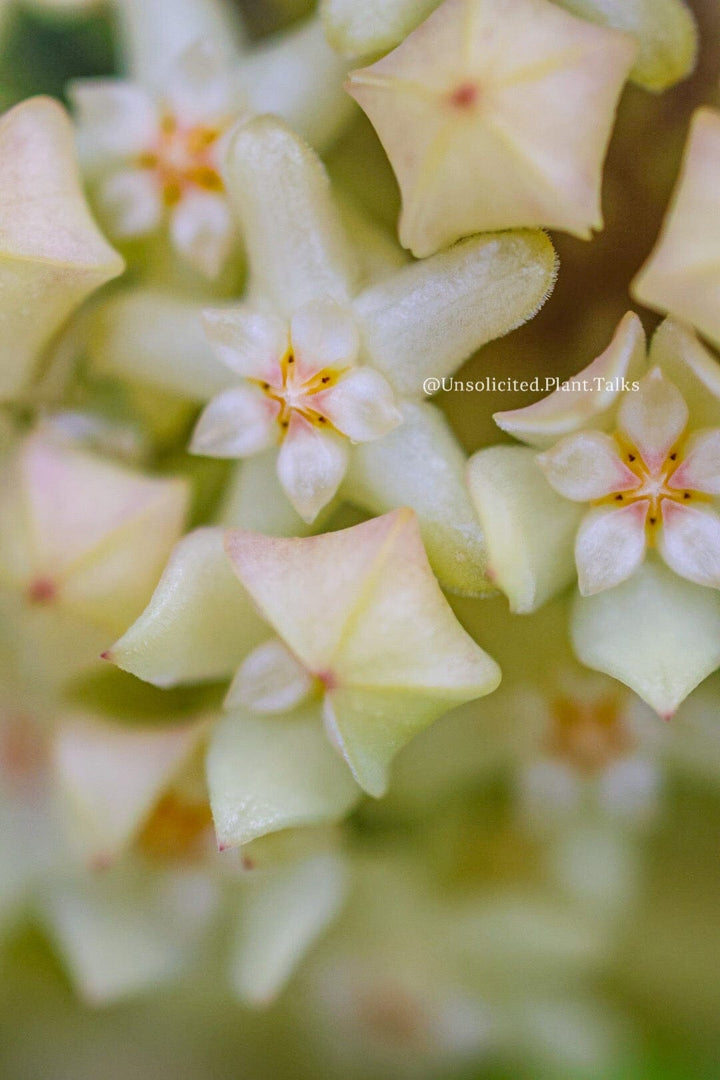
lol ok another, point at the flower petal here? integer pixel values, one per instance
(130, 202)
(310, 466)
(239, 422)
(658, 634)
(248, 342)
(362, 29)
(199, 623)
(269, 680)
(590, 398)
(691, 367)
(361, 405)
(690, 542)
(199, 86)
(586, 466)
(699, 469)
(202, 231)
(255, 500)
(116, 120)
(296, 245)
(610, 545)
(427, 318)
(653, 418)
(529, 530)
(323, 334)
(266, 774)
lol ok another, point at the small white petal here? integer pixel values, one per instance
(116, 120)
(202, 230)
(690, 542)
(586, 466)
(311, 464)
(630, 787)
(269, 680)
(199, 85)
(237, 423)
(248, 342)
(653, 418)
(324, 334)
(131, 202)
(361, 405)
(610, 546)
(700, 467)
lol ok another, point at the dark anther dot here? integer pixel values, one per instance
(618, 498)
(631, 457)
(285, 423)
(465, 96)
(686, 494)
(653, 521)
(266, 386)
(673, 457)
(291, 359)
(322, 420)
(325, 378)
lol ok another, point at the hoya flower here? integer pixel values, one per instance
(681, 275)
(386, 659)
(53, 255)
(152, 148)
(326, 363)
(624, 489)
(496, 114)
(665, 30)
(82, 546)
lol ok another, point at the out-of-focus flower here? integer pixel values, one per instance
(53, 255)
(650, 485)
(497, 115)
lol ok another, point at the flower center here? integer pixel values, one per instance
(184, 157)
(588, 735)
(177, 829)
(297, 394)
(653, 486)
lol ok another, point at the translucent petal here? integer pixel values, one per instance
(692, 368)
(239, 422)
(323, 334)
(116, 120)
(529, 530)
(690, 542)
(248, 342)
(610, 545)
(591, 396)
(361, 405)
(658, 634)
(269, 680)
(310, 466)
(653, 418)
(586, 466)
(200, 622)
(266, 774)
(699, 469)
(296, 245)
(427, 318)
(130, 202)
(202, 231)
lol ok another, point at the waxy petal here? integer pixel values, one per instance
(690, 542)
(692, 369)
(591, 397)
(699, 469)
(656, 633)
(529, 530)
(199, 623)
(267, 773)
(361, 405)
(362, 27)
(420, 464)
(428, 317)
(269, 680)
(586, 466)
(202, 231)
(610, 545)
(681, 275)
(238, 422)
(310, 466)
(324, 334)
(484, 112)
(116, 120)
(295, 241)
(52, 255)
(249, 342)
(653, 418)
(255, 500)
(199, 86)
(130, 202)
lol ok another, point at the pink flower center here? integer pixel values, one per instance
(184, 157)
(653, 486)
(298, 394)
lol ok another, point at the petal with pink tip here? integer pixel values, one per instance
(690, 542)
(361, 405)
(653, 418)
(700, 468)
(249, 342)
(237, 423)
(610, 545)
(591, 401)
(324, 335)
(310, 466)
(586, 466)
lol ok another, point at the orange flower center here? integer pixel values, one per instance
(588, 735)
(184, 158)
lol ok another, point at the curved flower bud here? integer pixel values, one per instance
(496, 115)
(52, 255)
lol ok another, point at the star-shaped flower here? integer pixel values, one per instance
(496, 114)
(631, 466)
